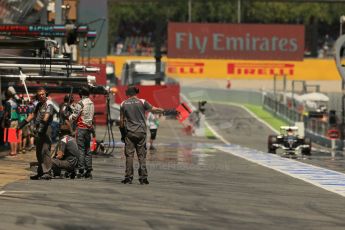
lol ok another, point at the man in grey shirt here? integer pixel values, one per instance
(67, 155)
(133, 131)
(42, 116)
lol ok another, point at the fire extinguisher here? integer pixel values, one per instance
(93, 144)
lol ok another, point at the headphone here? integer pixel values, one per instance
(132, 90)
(83, 91)
(68, 98)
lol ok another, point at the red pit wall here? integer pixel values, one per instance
(164, 96)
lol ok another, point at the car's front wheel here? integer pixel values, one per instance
(307, 151)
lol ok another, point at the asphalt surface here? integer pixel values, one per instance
(192, 186)
(237, 126)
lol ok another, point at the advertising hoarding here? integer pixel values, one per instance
(308, 69)
(236, 41)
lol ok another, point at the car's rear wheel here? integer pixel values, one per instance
(272, 139)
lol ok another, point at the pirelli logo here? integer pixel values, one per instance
(257, 69)
(189, 68)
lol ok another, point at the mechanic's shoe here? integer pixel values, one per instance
(72, 175)
(144, 181)
(31, 147)
(35, 177)
(57, 174)
(80, 174)
(127, 180)
(12, 154)
(88, 175)
(152, 148)
(67, 174)
(46, 176)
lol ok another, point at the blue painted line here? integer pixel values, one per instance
(315, 177)
(324, 178)
(336, 184)
(310, 175)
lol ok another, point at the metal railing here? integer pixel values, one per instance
(315, 128)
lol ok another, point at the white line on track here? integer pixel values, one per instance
(220, 137)
(38, 192)
(256, 117)
(329, 180)
(216, 133)
(2, 192)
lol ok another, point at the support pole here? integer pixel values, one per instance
(333, 148)
(189, 11)
(342, 133)
(293, 94)
(58, 19)
(284, 89)
(0, 91)
(23, 78)
(44, 13)
(238, 11)
(275, 93)
(339, 52)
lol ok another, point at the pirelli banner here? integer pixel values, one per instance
(308, 69)
(236, 41)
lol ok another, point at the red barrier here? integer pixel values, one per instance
(333, 134)
(184, 112)
(164, 96)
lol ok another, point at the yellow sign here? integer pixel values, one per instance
(309, 69)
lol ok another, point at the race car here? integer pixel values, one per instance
(288, 142)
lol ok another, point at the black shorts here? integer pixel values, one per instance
(153, 133)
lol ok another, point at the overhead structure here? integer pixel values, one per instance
(44, 69)
(76, 68)
(70, 31)
(90, 80)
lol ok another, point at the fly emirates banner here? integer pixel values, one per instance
(242, 51)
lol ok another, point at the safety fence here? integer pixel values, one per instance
(315, 128)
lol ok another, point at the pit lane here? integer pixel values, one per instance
(237, 126)
(192, 186)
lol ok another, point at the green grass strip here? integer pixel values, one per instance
(209, 134)
(258, 110)
(266, 116)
